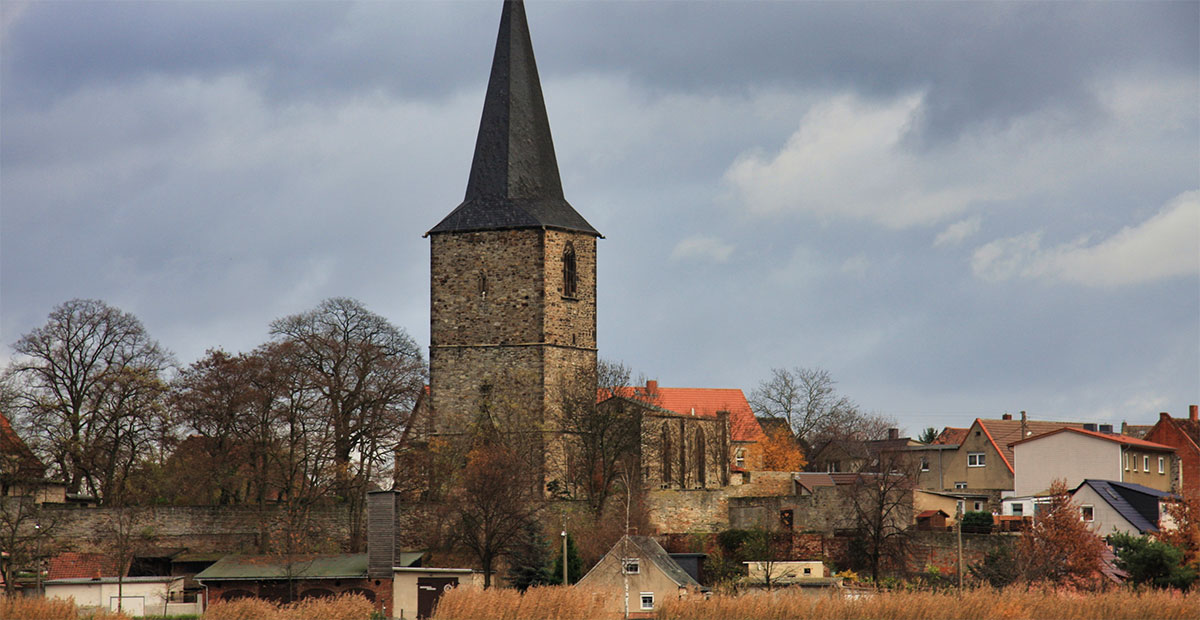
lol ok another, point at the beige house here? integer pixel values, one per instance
(982, 463)
(1076, 454)
(639, 569)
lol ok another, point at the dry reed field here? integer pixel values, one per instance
(345, 607)
(1013, 604)
(538, 603)
(21, 608)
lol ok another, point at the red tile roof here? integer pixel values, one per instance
(1121, 439)
(703, 403)
(1003, 433)
(951, 436)
(74, 565)
(19, 460)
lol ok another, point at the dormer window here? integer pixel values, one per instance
(570, 276)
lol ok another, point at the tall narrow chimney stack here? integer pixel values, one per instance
(1192, 412)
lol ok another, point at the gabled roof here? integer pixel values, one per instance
(1003, 433)
(269, 567)
(951, 436)
(1136, 503)
(75, 565)
(648, 549)
(514, 181)
(16, 459)
(1119, 439)
(1187, 427)
(702, 403)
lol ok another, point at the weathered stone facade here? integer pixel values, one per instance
(203, 529)
(508, 331)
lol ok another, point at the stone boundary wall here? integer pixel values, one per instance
(203, 529)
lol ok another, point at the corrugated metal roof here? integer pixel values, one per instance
(266, 567)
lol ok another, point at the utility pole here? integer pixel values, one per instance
(564, 539)
(37, 560)
(958, 526)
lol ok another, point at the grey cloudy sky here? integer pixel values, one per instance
(958, 209)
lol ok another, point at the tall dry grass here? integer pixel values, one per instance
(344, 607)
(537, 603)
(561, 603)
(984, 604)
(22, 608)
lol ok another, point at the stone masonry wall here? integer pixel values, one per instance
(204, 529)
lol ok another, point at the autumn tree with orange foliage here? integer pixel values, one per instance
(1184, 514)
(781, 452)
(1059, 548)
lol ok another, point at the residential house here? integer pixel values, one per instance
(1076, 454)
(22, 474)
(932, 458)
(1109, 506)
(1184, 436)
(639, 566)
(92, 580)
(855, 455)
(983, 462)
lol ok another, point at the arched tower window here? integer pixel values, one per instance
(700, 469)
(665, 454)
(570, 276)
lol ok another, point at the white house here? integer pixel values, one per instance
(139, 596)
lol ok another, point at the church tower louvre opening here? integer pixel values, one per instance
(512, 274)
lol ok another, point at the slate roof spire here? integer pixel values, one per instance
(514, 181)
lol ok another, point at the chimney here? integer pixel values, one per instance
(1007, 416)
(651, 387)
(1193, 411)
(1164, 416)
(893, 433)
(381, 534)
(1024, 426)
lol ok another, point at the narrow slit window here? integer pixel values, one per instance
(570, 275)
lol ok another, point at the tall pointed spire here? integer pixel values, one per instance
(514, 181)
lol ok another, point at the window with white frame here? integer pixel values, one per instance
(976, 459)
(631, 566)
(739, 458)
(1087, 512)
(924, 463)
(1018, 509)
(1145, 463)
(960, 485)
(647, 600)
(978, 506)
(1126, 461)
(1162, 465)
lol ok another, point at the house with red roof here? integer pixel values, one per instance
(1183, 434)
(1077, 454)
(981, 463)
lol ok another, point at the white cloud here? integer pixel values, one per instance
(702, 247)
(847, 159)
(1164, 246)
(958, 232)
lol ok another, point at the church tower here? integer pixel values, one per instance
(513, 270)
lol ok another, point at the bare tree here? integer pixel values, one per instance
(603, 437)
(125, 533)
(881, 508)
(366, 375)
(807, 398)
(494, 510)
(87, 385)
(26, 532)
